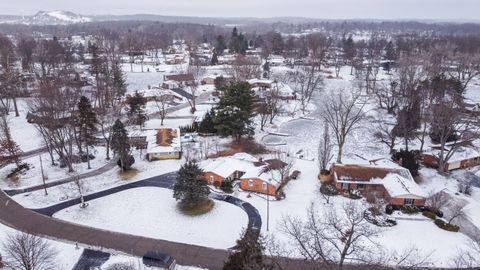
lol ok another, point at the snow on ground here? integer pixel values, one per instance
(138, 80)
(24, 133)
(33, 176)
(136, 263)
(153, 212)
(66, 257)
(472, 93)
(360, 147)
(144, 169)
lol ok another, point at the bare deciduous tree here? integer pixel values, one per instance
(455, 211)
(342, 113)
(307, 81)
(28, 252)
(162, 101)
(437, 200)
(325, 149)
(333, 237)
(386, 135)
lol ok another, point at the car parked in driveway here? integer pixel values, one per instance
(155, 258)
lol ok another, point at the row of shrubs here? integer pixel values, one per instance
(440, 222)
(446, 226)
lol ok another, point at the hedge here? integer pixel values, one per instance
(429, 214)
(446, 226)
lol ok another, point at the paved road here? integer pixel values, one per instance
(94, 172)
(39, 222)
(16, 216)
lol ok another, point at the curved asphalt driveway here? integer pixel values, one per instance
(161, 181)
(39, 222)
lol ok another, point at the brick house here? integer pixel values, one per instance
(163, 144)
(394, 184)
(253, 174)
(463, 157)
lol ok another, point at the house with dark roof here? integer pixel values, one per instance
(394, 184)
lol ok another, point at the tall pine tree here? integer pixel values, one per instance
(136, 109)
(190, 188)
(234, 112)
(121, 146)
(87, 122)
(248, 254)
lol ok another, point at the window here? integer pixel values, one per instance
(409, 201)
(211, 179)
(360, 186)
(344, 185)
(250, 183)
(264, 186)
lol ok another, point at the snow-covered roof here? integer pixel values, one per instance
(399, 186)
(460, 154)
(260, 81)
(397, 181)
(242, 162)
(164, 140)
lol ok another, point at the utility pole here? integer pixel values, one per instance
(43, 176)
(268, 209)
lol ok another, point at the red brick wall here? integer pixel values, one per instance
(216, 178)
(258, 186)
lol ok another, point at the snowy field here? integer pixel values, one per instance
(152, 212)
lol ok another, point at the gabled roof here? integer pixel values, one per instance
(250, 166)
(398, 182)
(163, 140)
(180, 77)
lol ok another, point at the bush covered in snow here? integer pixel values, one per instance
(378, 219)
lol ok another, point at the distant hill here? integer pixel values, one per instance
(56, 17)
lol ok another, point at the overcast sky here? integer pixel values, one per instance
(329, 9)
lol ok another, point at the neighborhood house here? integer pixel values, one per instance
(254, 175)
(178, 81)
(164, 144)
(395, 185)
(463, 157)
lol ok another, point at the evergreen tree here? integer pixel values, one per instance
(408, 160)
(87, 121)
(349, 51)
(248, 254)
(207, 125)
(220, 83)
(221, 45)
(214, 58)
(118, 81)
(390, 52)
(136, 105)
(234, 112)
(9, 150)
(121, 146)
(190, 188)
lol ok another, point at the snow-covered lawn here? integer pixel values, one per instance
(144, 169)
(66, 257)
(24, 133)
(138, 80)
(407, 234)
(152, 212)
(136, 263)
(33, 176)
